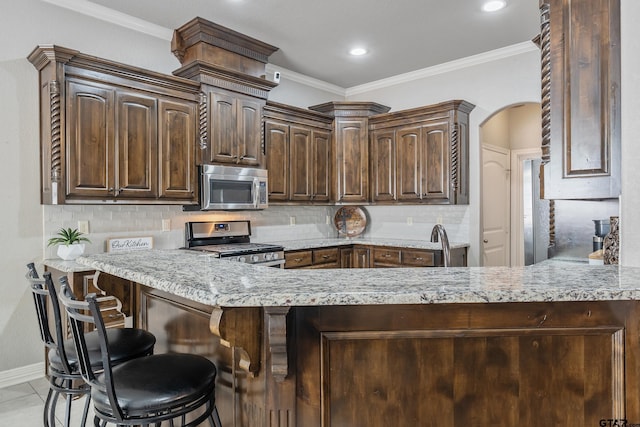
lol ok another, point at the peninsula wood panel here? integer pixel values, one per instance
(524, 364)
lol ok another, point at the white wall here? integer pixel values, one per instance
(525, 126)
(495, 131)
(490, 86)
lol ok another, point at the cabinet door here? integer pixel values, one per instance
(383, 165)
(360, 258)
(137, 142)
(177, 174)
(418, 258)
(352, 160)
(583, 109)
(249, 116)
(436, 161)
(409, 163)
(222, 129)
(320, 146)
(383, 257)
(276, 137)
(300, 167)
(298, 259)
(90, 131)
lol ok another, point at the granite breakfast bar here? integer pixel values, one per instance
(542, 345)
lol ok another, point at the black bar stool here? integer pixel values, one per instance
(64, 374)
(143, 391)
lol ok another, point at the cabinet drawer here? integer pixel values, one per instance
(386, 256)
(325, 256)
(297, 259)
(418, 258)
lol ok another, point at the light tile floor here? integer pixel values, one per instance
(21, 405)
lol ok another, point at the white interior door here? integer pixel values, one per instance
(495, 206)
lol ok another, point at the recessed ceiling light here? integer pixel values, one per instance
(494, 5)
(358, 51)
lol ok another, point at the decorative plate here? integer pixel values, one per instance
(350, 221)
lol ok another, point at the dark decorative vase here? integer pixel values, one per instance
(611, 243)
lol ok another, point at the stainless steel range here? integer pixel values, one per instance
(231, 240)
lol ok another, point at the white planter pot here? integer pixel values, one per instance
(70, 252)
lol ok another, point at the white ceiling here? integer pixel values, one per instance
(314, 37)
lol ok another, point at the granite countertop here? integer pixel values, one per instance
(65, 266)
(208, 280)
(294, 245)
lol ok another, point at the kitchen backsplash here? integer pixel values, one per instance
(277, 223)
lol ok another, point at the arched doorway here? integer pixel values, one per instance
(514, 228)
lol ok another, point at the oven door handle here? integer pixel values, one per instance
(275, 263)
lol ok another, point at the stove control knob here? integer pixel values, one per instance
(268, 256)
(274, 255)
(241, 259)
(255, 258)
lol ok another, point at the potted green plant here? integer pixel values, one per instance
(70, 243)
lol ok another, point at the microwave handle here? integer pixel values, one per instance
(256, 192)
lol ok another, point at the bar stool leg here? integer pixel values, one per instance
(67, 412)
(52, 408)
(85, 412)
(47, 408)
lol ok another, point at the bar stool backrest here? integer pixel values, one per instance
(44, 291)
(78, 319)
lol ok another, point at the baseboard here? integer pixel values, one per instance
(21, 375)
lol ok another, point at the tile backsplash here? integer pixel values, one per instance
(276, 223)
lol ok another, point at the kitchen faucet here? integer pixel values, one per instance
(439, 232)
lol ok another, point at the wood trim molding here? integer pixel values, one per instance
(276, 320)
(231, 325)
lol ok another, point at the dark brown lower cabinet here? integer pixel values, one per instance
(362, 256)
(507, 364)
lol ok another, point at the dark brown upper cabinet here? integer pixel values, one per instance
(580, 44)
(234, 129)
(231, 68)
(114, 133)
(350, 148)
(298, 147)
(421, 155)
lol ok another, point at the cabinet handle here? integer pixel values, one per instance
(297, 259)
(325, 256)
(418, 259)
(387, 255)
(485, 241)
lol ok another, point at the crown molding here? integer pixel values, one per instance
(106, 14)
(458, 64)
(306, 80)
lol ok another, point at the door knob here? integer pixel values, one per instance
(486, 241)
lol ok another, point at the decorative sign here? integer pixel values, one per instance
(129, 244)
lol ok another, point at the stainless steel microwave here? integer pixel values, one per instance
(233, 188)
